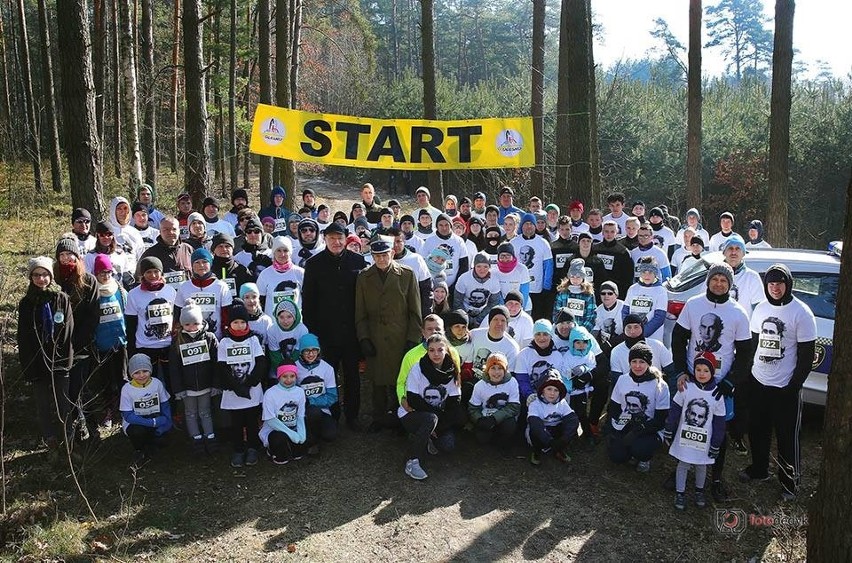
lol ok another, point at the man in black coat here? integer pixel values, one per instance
(328, 310)
(618, 265)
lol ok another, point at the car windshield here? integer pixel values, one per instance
(817, 291)
(690, 276)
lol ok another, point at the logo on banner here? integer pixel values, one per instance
(272, 130)
(509, 142)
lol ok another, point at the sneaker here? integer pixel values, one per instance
(739, 446)
(563, 457)
(197, 446)
(719, 492)
(700, 498)
(299, 456)
(251, 456)
(431, 447)
(746, 477)
(413, 469)
(279, 460)
(643, 466)
(680, 501)
(237, 459)
(534, 458)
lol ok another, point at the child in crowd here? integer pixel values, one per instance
(192, 367)
(580, 364)
(476, 290)
(433, 406)
(284, 431)
(535, 360)
(282, 338)
(212, 295)
(316, 378)
(551, 424)
(259, 322)
(242, 366)
(440, 305)
(495, 403)
(648, 298)
(456, 326)
(638, 409)
(578, 295)
(145, 412)
(695, 429)
(102, 389)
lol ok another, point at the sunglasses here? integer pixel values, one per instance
(105, 234)
(253, 231)
(82, 221)
(607, 293)
(307, 230)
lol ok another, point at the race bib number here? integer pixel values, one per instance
(184, 232)
(238, 354)
(279, 296)
(280, 225)
(641, 305)
(232, 286)
(769, 346)
(693, 437)
(607, 260)
(205, 301)
(160, 313)
(577, 307)
(449, 265)
(146, 406)
(561, 260)
(314, 389)
(174, 279)
(287, 415)
(194, 352)
(110, 312)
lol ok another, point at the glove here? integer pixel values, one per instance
(367, 348)
(180, 396)
(486, 423)
(639, 421)
(713, 452)
(667, 437)
(531, 399)
(725, 387)
(215, 392)
(582, 376)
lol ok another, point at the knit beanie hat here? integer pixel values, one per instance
(577, 268)
(552, 207)
(496, 359)
(191, 313)
(286, 368)
(506, 247)
(564, 315)
(210, 201)
(288, 305)
(576, 205)
(193, 217)
(139, 362)
(734, 240)
(309, 342)
(708, 359)
(281, 242)
(641, 351)
(267, 221)
(480, 259)
(513, 295)
(552, 379)
(80, 213)
(406, 219)
(457, 317)
(239, 193)
(200, 254)
(697, 240)
(222, 238)
(67, 245)
(609, 286)
(648, 264)
(634, 318)
(724, 269)
(248, 287)
(149, 263)
(103, 228)
(527, 218)
(543, 325)
(104, 264)
(498, 310)
(40, 262)
(353, 239)
(238, 311)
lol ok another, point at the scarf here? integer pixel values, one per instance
(108, 288)
(506, 267)
(438, 375)
(152, 286)
(239, 333)
(281, 268)
(203, 281)
(424, 230)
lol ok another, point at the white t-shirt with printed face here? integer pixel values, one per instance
(691, 440)
(209, 299)
(530, 362)
(644, 300)
(491, 398)
(644, 397)
(619, 360)
(239, 357)
(455, 247)
(316, 381)
(435, 395)
(748, 289)
(532, 253)
(779, 330)
(483, 346)
(267, 284)
(154, 312)
(143, 401)
(550, 413)
(476, 294)
(287, 405)
(512, 281)
(610, 322)
(714, 328)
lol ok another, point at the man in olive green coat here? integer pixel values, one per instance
(387, 322)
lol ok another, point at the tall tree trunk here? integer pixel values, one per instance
(294, 66)
(248, 68)
(149, 93)
(116, 89)
(33, 144)
(265, 70)
(779, 123)
(594, 149)
(82, 149)
(693, 112)
(285, 171)
(196, 150)
(579, 165)
(537, 96)
(232, 100)
(173, 103)
(131, 113)
(430, 103)
(218, 122)
(49, 97)
(562, 149)
(98, 64)
(828, 531)
(7, 96)
(394, 39)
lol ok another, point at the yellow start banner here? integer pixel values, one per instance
(402, 144)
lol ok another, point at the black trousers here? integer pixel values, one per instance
(281, 447)
(779, 410)
(345, 358)
(320, 426)
(244, 428)
(624, 445)
(141, 436)
(557, 437)
(501, 435)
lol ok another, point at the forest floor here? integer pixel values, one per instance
(353, 501)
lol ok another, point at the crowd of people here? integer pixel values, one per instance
(517, 325)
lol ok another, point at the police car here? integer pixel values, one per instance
(816, 278)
